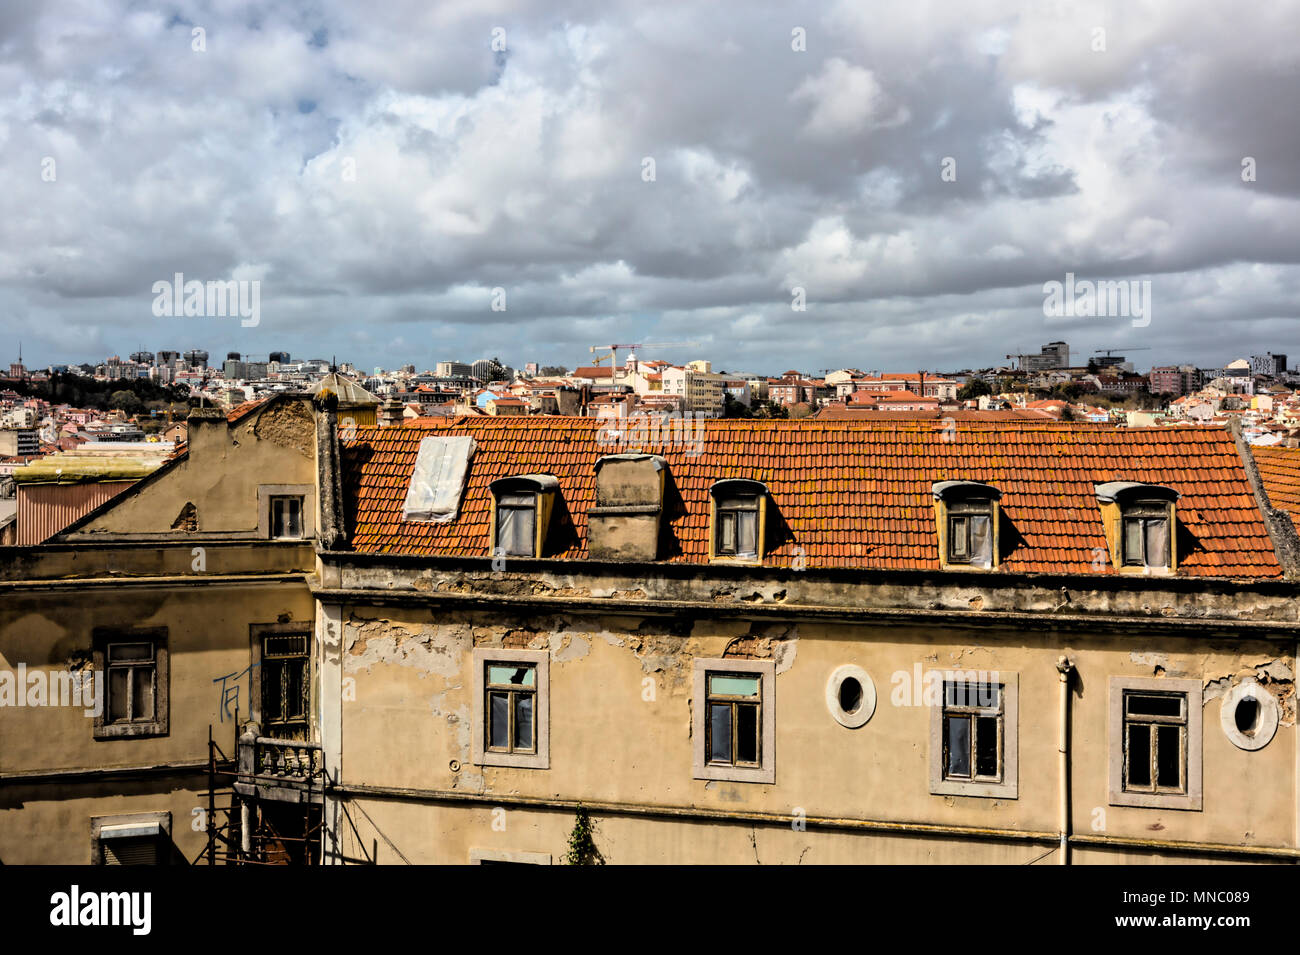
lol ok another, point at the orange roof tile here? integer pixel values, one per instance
(1279, 468)
(845, 494)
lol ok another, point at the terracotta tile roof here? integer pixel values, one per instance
(1279, 468)
(845, 494)
(239, 410)
(869, 412)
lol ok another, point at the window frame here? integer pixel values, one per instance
(268, 493)
(102, 639)
(731, 497)
(540, 490)
(1191, 758)
(258, 634)
(159, 822)
(1122, 502)
(1007, 786)
(765, 769)
(960, 501)
(481, 754)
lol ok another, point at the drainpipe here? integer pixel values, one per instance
(1064, 667)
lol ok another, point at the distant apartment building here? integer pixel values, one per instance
(701, 391)
(917, 383)
(1052, 355)
(453, 369)
(1166, 380)
(19, 442)
(1268, 364)
(792, 389)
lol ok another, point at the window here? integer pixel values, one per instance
(734, 732)
(134, 664)
(511, 707)
(967, 514)
(285, 685)
(507, 857)
(973, 734)
(1140, 526)
(972, 731)
(521, 509)
(737, 527)
(516, 524)
(850, 696)
(511, 716)
(739, 512)
(286, 511)
(733, 720)
(1155, 743)
(970, 534)
(140, 838)
(1249, 715)
(286, 516)
(1146, 534)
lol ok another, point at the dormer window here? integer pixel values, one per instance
(521, 510)
(966, 513)
(1139, 520)
(739, 516)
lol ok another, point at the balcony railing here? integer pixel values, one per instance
(283, 760)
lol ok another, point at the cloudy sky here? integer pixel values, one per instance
(650, 172)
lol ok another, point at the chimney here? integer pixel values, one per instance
(390, 413)
(207, 433)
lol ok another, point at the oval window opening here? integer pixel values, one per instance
(850, 695)
(1247, 716)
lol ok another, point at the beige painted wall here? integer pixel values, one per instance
(411, 719)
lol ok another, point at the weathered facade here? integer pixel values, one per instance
(811, 642)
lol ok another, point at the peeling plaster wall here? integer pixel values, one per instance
(620, 691)
(215, 485)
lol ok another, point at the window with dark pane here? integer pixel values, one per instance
(511, 690)
(286, 516)
(517, 524)
(132, 679)
(737, 528)
(1155, 742)
(972, 731)
(1146, 535)
(734, 724)
(286, 685)
(970, 537)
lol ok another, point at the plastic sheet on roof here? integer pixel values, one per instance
(438, 480)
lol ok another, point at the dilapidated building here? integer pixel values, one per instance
(736, 641)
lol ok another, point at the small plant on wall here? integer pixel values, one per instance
(582, 848)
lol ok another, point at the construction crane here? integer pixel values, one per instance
(1110, 351)
(613, 353)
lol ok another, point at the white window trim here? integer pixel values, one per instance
(1009, 788)
(267, 491)
(1193, 798)
(765, 772)
(1269, 715)
(480, 754)
(866, 708)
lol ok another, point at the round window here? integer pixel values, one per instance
(850, 696)
(1249, 715)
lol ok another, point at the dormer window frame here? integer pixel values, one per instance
(1133, 507)
(532, 494)
(732, 503)
(958, 507)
